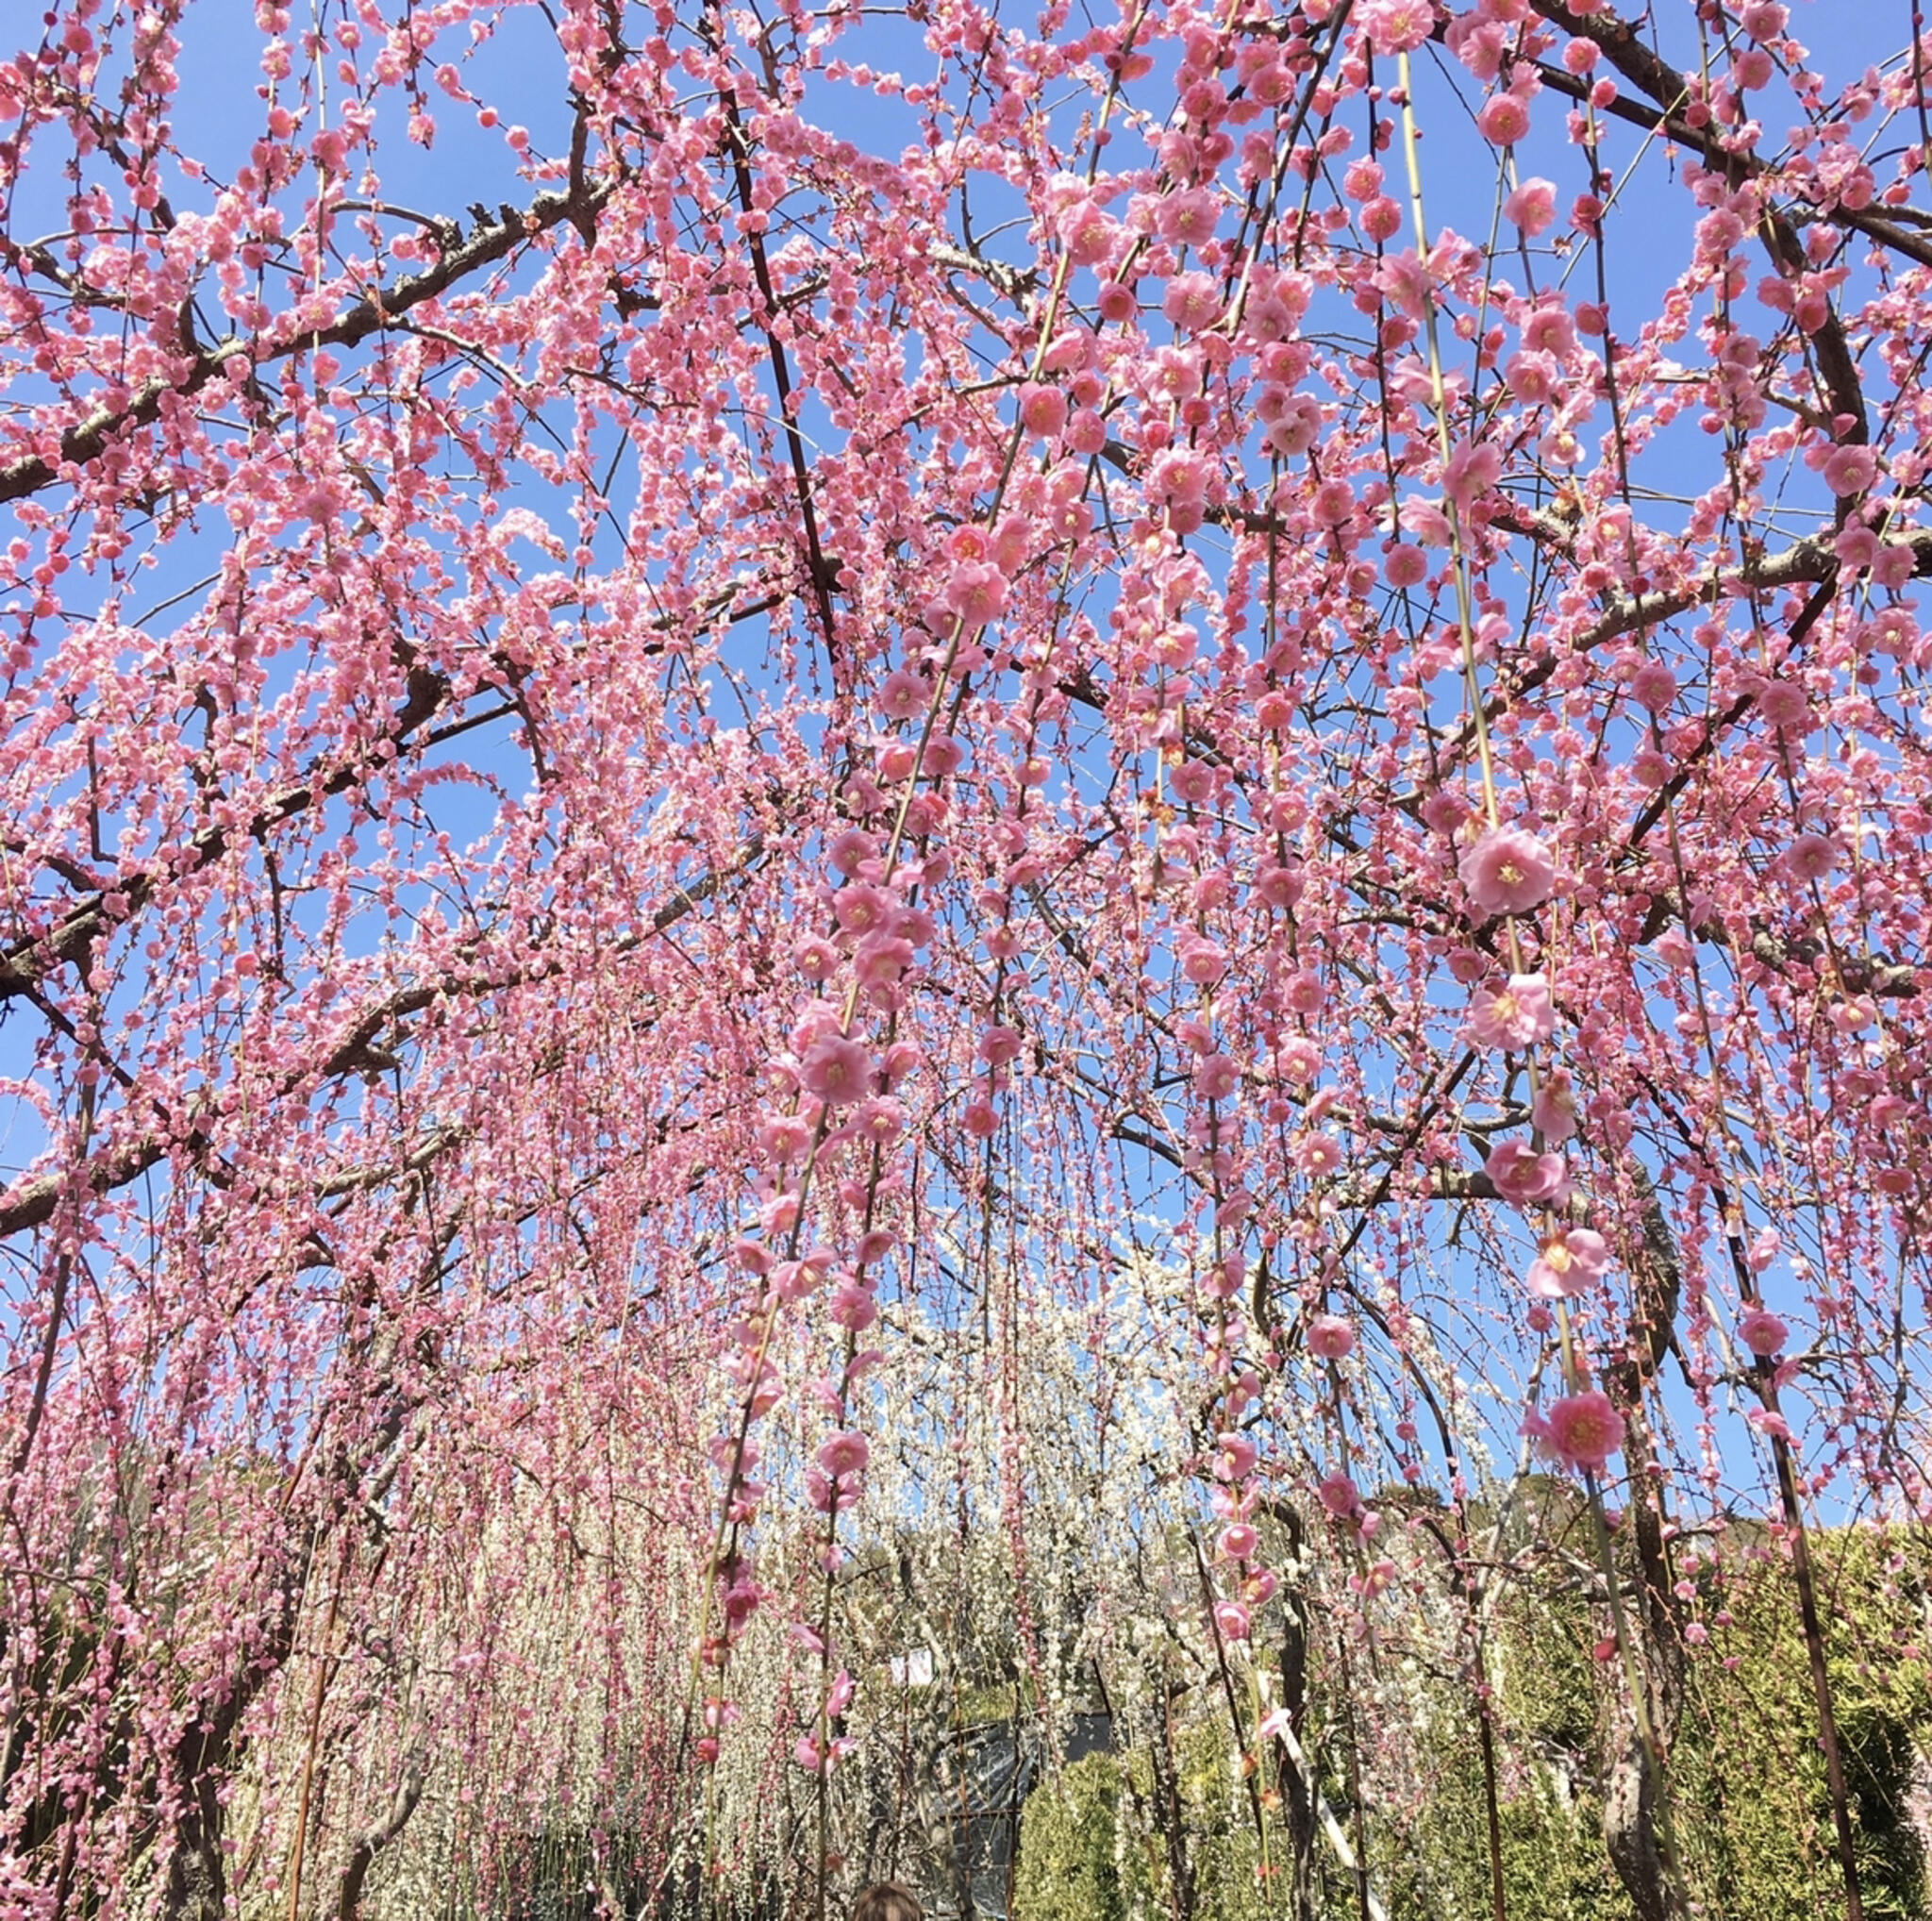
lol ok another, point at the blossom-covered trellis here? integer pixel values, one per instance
(786, 784)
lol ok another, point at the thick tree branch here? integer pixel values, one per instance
(1667, 87)
(28, 958)
(1884, 229)
(31, 1203)
(372, 1839)
(493, 238)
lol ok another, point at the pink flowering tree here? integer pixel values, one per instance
(771, 772)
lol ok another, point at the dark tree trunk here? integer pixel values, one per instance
(1171, 1815)
(1637, 1821)
(197, 1886)
(1297, 1795)
(373, 1840)
(1630, 1826)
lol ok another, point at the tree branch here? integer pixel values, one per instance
(372, 1841)
(30, 1203)
(491, 241)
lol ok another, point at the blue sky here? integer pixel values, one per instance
(516, 68)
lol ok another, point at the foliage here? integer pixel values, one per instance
(1077, 1855)
(1771, 1845)
(1087, 1852)
(1750, 1792)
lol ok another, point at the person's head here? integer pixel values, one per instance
(889, 1901)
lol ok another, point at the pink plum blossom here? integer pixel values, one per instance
(1339, 1496)
(1305, 992)
(1087, 231)
(1317, 1154)
(1193, 781)
(1534, 378)
(1043, 409)
(1405, 566)
(1507, 870)
(1504, 119)
(1514, 1017)
(844, 1454)
(1762, 1332)
(999, 1045)
(1810, 856)
(1653, 685)
(1851, 470)
(1234, 1457)
(1192, 301)
(1784, 706)
(860, 909)
(854, 1306)
(1549, 330)
(1396, 27)
(1281, 886)
(1223, 1281)
(1582, 1431)
(976, 592)
(830, 1494)
(904, 695)
(1201, 961)
(1232, 1619)
(785, 1137)
(1298, 1059)
(1381, 219)
(1330, 1338)
(1532, 206)
(1568, 1265)
(850, 850)
(837, 1070)
(1472, 468)
(1525, 1177)
(808, 1754)
(1553, 1110)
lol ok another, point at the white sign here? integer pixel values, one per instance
(912, 1670)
